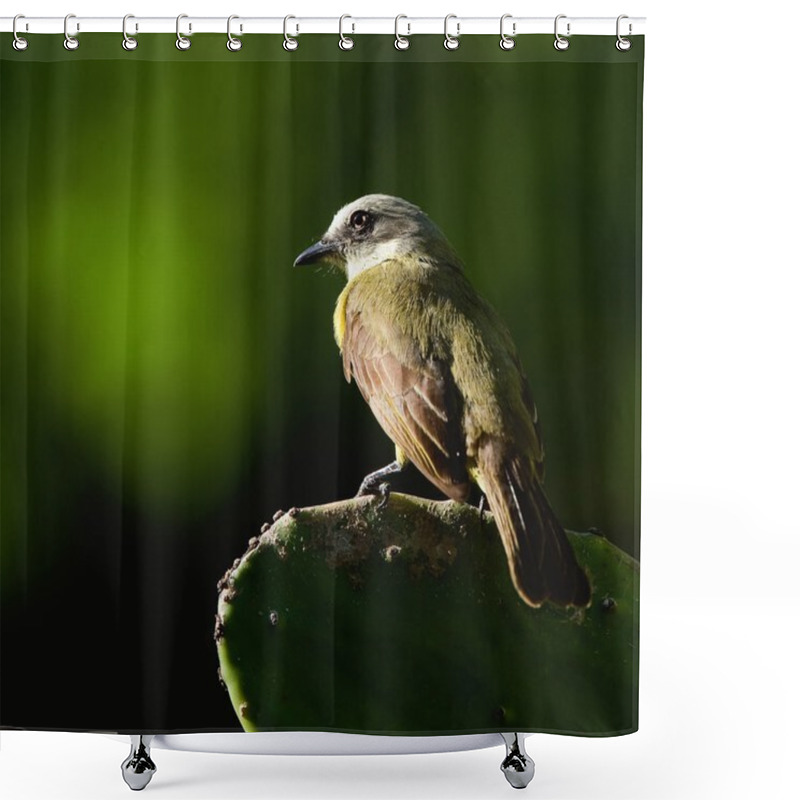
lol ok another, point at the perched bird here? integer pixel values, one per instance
(440, 372)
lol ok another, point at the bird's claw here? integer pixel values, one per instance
(482, 510)
(368, 487)
(381, 491)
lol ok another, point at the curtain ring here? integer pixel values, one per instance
(560, 43)
(234, 44)
(451, 42)
(623, 44)
(70, 42)
(128, 42)
(507, 42)
(345, 42)
(400, 42)
(182, 43)
(19, 43)
(289, 42)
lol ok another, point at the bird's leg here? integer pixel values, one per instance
(373, 484)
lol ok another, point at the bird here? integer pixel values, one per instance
(439, 369)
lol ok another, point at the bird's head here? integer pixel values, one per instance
(375, 228)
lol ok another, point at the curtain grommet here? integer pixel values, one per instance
(401, 42)
(346, 42)
(70, 42)
(451, 42)
(128, 42)
(507, 42)
(234, 44)
(182, 42)
(623, 44)
(19, 43)
(561, 43)
(290, 43)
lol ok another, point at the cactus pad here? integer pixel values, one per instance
(402, 619)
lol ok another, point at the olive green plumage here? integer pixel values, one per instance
(442, 376)
(430, 320)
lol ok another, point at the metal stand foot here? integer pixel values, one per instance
(517, 766)
(138, 768)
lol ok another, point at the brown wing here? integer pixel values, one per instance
(415, 400)
(538, 451)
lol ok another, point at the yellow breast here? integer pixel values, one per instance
(340, 316)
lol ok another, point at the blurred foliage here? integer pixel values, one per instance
(168, 380)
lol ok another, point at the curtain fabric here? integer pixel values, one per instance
(170, 381)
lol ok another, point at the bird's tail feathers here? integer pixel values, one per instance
(540, 557)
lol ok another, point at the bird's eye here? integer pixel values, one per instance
(359, 220)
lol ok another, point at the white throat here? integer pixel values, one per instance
(371, 257)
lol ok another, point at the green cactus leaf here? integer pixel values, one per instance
(403, 620)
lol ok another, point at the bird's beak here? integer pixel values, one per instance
(317, 252)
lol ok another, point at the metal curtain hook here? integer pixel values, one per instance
(451, 42)
(623, 44)
(560, 43)
(70, 42)
(507, 42)
(400, 42)
(128, 42)
(182, 43)
(19, 43)
(234, 43)
(346, 42)
(290, 43)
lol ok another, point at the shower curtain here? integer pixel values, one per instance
(185, 429)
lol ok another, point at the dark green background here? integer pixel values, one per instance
(169, 381)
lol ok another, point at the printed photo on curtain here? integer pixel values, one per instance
(320, 385)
